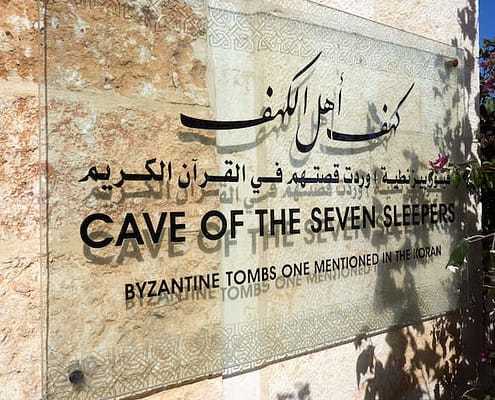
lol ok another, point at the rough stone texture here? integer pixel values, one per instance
(20, 356)
(20, 317)
(18, 39)
(402, 362)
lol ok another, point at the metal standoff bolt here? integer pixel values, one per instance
(452, 63)
(76, 377)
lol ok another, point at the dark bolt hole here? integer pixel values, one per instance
(76, 377)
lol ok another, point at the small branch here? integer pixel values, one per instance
(477, 238)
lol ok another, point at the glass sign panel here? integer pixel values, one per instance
(234, 183)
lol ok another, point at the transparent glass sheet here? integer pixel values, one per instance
(234, 183)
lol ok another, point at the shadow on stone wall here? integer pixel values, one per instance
(301, 392)
(449, 352)
(413, 369)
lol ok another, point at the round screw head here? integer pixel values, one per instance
(76, 377)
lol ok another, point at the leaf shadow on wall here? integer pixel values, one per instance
(301, 392)
(442, 359)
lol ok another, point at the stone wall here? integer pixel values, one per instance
(20, 318)
(411, 362)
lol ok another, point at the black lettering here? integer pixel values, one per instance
(204, 225)
(415, 214)
(434, 214)
(406, 213)
(367, 216)
(155, 233)
(342, 221)
(150, 291)
(83, 231)
(293, 213)
(329, 218)
(315, 212)
(355, 217)
(396, 217)
(129, 291)
(387, 217)
(451, 212)
(141, 289)
(129, 220)
(234, 222)
(174, 226)
(442, 212)
(425, 210)
(163, 288)
(261, 213)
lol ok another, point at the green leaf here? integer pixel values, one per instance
(456, 177)
(476, 177)
(490, 106)
(459, 253)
